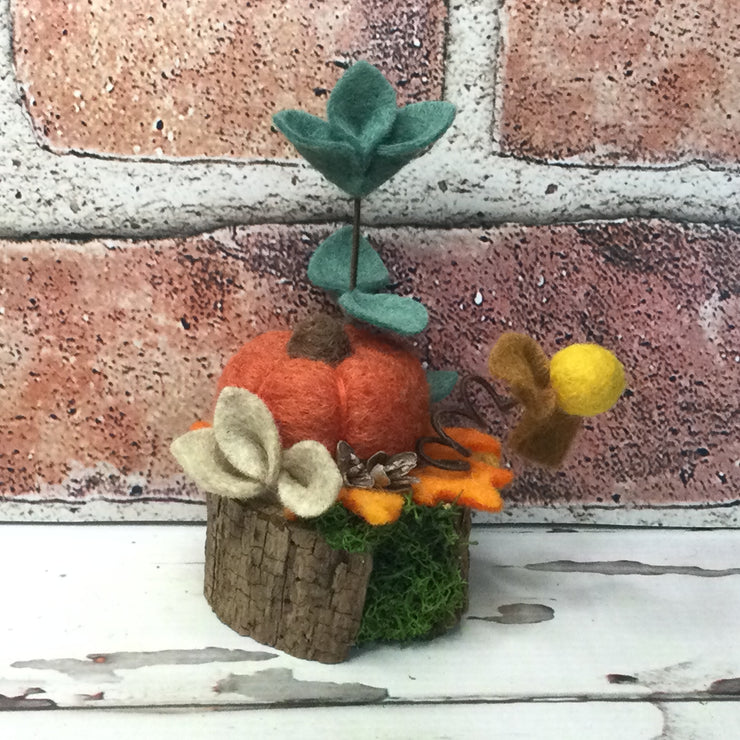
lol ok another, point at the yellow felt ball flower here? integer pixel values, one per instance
(587, 379)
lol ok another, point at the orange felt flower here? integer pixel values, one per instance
(199, 425)
(374, 506)
(476, 488)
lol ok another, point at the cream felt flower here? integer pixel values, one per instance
(240, 456)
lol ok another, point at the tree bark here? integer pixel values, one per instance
(278, 582)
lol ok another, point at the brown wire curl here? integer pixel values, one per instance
(469, 413)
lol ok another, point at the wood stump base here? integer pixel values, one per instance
(280, 583)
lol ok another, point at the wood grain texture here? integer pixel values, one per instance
(568, 721)
(114, 617)
(280, 583)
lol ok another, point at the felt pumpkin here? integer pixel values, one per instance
(329, 382)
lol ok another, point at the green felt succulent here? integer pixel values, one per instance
(366, 138)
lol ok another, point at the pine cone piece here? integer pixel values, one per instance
(389, 472)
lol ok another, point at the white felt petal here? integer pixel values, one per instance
(202, 461)
(247, 435)
(310, 480)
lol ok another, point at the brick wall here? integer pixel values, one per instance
(588, 191)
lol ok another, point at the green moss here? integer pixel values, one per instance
(344, 530)
(416, 588)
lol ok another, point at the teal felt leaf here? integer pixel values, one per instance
(366, 138)
(380, 170)
(334, 158)
(386, 310)
(305, 130)
(362, 107)
(417, 127)
(329, 266)
(441, 383)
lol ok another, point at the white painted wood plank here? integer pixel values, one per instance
(133, 593)
(607, 721)
(40, 510)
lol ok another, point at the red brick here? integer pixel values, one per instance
(664, 297)
(609, 81)
(111, 349)
(132, 336)
(100, 76)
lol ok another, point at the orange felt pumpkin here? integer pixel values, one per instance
(375, 398)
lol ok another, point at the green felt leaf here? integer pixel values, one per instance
(441, 383)
(362, 107)
(336, 159)
(329, 266)
(305, 130)
(417, 126)
(395, 313)
(366, 139)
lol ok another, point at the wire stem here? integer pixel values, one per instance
(355, 247)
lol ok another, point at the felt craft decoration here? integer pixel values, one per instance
(240, 456)
(477, 488)
(441, 383)
(402, 315)
(346, 265)
(376, 507)
(369, 489)
(375, 398)
(366, 139)
(584, 380)
(330, 265)
(318, 422)
(319, 337)
(587, 379)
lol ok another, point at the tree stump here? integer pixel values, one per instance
(279, 582)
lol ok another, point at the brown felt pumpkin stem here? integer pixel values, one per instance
(354, 258)
(320, 337)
